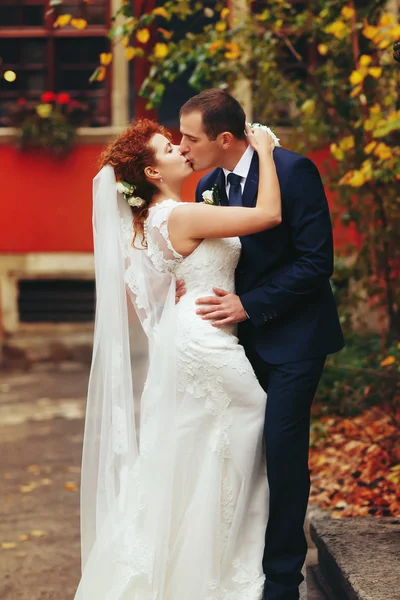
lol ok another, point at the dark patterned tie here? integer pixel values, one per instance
(235, 190)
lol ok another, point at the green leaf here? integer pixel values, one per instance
(387, 128)
(94, 75)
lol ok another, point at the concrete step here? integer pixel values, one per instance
(358, 558)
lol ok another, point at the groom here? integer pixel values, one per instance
(284, 306)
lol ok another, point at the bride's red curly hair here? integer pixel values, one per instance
(129, 154)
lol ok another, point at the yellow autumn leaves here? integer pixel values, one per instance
(389, 360)
(341, 28)
(232, 50)
(364, 68)
(28, 488)
(382, 34)
(35, 533)
(339, 150)
(143, 36)
(358, 177)
(374, 119)
(67, 19)
(374, 150)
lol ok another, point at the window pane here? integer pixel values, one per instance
(22, 13)
(32, 16)
(75, 60)
(33, 51)
(9, 16)
(35, 81)
(97, 15)
(28, 60)
(9, 52)
(80, 50)
(75, 80)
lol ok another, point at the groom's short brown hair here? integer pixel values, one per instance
(220, 111)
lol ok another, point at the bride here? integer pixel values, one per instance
(173, 508)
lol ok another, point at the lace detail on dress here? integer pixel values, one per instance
(159, 247)
(130, 276)
(227, 512)
(200, 381)
(135, 558)
(247, 584)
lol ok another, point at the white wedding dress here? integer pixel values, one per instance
(192, 524)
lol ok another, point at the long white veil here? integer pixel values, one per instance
(110, 508)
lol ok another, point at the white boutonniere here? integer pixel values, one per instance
(265, 128)
(128, 190)
(212, 196)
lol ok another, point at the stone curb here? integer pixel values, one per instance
(358, 558)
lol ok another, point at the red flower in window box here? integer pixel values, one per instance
(48, 125)
(63, 98)
(48, 97)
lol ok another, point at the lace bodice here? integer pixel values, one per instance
(211, 264)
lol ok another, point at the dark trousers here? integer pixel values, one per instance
(290, 391)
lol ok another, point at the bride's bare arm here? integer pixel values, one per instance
(199, 221)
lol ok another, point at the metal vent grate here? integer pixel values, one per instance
(56, 300)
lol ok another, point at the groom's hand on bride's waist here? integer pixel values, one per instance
(179, 290)
(223, 309)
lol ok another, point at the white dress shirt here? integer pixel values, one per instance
(242, 169)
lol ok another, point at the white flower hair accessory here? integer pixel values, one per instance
(128, 189)
(265, 128)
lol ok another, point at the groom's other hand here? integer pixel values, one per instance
(179, 290)
(222, 309)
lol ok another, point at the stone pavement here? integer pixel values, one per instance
(41, 430)
(359, 558)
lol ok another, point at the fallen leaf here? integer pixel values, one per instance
(70, 486)
(355, 465)
(23, 538)
(73, 469)
(37, 533)
(33, 469)
(8, 545)
(26, 489)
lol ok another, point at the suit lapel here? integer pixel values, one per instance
(251, 185)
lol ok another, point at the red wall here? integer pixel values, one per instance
(46, 204)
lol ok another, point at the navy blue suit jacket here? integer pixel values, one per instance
(283, 273)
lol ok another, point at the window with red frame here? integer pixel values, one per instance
(45, 58)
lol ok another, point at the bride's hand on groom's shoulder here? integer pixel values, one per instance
(260, 140)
